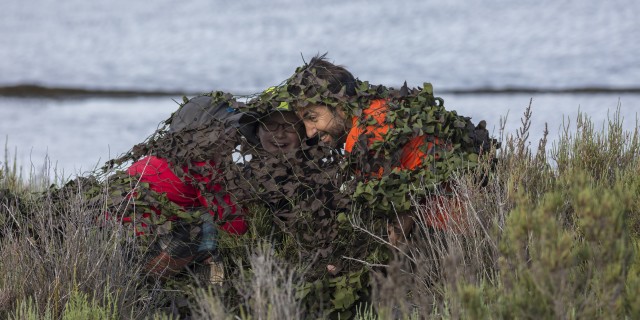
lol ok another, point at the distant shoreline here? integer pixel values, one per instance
(37, 91)
(517, 90)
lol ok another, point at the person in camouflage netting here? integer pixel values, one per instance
(174, 192)
(395, 142)
(399, 146)
(300, 187)
(327, 201)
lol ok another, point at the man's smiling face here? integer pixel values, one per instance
(330, 126)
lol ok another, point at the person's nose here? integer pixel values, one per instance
(311, 131)
(280, 133)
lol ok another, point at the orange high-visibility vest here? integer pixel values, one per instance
(412, 157)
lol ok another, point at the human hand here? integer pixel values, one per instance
(333, 270)
(399, 229)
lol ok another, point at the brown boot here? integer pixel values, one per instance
(164, 266)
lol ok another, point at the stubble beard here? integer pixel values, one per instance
(338, 131)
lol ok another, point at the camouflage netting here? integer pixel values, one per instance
(316, 192)
(411, 113)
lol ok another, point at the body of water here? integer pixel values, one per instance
(532, 48)
(78, 135)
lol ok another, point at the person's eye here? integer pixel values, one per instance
(312, 117)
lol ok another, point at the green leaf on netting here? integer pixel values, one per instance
(428, 88)
(429, 129)
(459, 123)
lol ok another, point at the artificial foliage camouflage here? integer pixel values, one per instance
(317, 195)
(411, 113)
(376, 198)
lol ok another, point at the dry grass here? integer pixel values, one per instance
(552, 234)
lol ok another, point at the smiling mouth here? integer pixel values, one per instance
(325, 137)
(279, 145)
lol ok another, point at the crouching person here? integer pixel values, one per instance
(179, 195)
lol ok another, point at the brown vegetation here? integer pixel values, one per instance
(553, 234)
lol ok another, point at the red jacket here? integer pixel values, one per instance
(158, 174)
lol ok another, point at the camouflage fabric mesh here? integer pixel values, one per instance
(412, 112)
(316, 192)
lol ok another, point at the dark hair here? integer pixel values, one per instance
(337, 76)
(317, 82)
